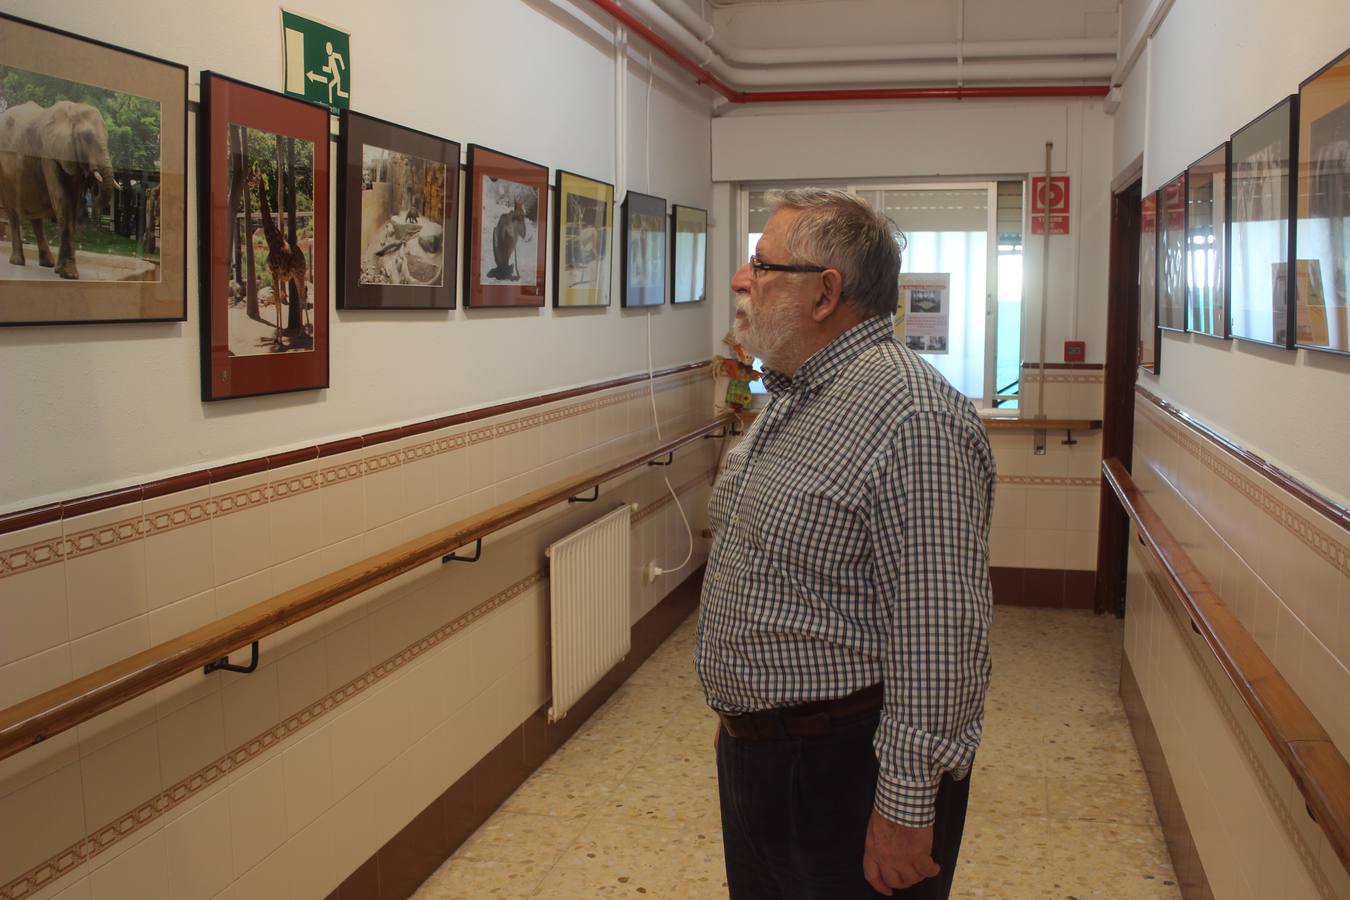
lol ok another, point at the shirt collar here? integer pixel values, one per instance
(827, 362)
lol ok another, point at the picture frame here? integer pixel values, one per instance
(398, 214)
(583, 241)
(504, 230)
(114, 231)
(1262, 209)
(1206, 244)
(1321, 284)
(688, 254)
(1149, 343)
(1171, 260)
(644, 250)
(259, 148)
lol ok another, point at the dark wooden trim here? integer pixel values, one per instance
(1318, 502)
(1122, 335)
(1051, 588)
(406, 860)
(1015, 423)
(1086, 366)
(1186, 860)
(50, 512)
(1316, 766)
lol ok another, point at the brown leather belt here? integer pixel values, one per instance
(813, 719)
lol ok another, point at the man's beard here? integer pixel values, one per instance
(770, 336)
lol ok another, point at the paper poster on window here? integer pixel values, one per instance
(924, 316)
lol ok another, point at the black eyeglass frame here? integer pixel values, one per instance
(760, 266)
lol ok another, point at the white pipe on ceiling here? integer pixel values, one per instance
(924, 73)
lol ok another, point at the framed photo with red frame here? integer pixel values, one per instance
(263, 231)
(505, 230)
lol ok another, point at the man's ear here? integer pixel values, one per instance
(831, 295)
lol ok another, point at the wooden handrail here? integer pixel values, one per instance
(1317, 767)
(39, 718)
(1014, 423)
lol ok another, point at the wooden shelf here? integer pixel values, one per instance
(1013, 423)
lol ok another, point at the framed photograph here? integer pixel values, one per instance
(263, 222)
(398, 208)
(1322, 268)
(1171, 261)
(644, 250)
(688, 254)
(583, 209)
(1147, 354)
(93, 181)
(1206, 244)
(505, 230)
(1260, 233)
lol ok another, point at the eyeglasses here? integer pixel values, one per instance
(758, 265)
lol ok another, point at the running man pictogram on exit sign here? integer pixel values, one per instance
(1058, 200)
(317, 61)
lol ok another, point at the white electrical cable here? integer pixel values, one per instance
(651, 393)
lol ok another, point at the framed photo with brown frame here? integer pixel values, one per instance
(1322, 266)
(688, 254)
(398, 208)
(1206, 255)
(93, 181)
(1147, 353)
(1171, 255)
(263, 222)
(1260, 226)
(504, 231)
(644, 250)
(583, 232)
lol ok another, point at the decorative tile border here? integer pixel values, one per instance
(1307, 855)
(34, 556)
(1050, 480)
(1063, 378)
(129, 823)
(1319, 539)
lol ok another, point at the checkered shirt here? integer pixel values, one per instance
(851, 546)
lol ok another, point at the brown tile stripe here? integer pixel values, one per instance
(1064, 365)
(53, 512)
(33, 556)
(1050, 480)
(1307, 855)
(1326, 543)
(129, 823)
(1319, 502)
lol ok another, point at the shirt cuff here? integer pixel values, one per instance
(907, 803)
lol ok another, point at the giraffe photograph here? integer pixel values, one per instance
(271, 215)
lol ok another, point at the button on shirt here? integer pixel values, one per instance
(851, 546)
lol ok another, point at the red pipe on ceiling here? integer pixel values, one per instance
(703, 76)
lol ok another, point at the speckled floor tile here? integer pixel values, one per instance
(616, 859)
(557, 794)
(1006, 792)
(490, 879)
(1102, 801)
(521, 838)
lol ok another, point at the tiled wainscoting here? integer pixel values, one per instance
(283, 782)
(1283, 568)
(1043, 544)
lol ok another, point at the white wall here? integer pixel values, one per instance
(974, 139)
(88, 407)
(1212, 67)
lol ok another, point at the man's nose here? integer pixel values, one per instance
(741, 280)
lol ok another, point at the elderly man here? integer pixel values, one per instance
(843, 636)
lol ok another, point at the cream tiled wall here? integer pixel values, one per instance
(280, 782)
(1284, 571)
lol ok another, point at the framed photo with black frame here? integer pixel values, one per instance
(1149, 343)
(504, 230)
(1171, 255)
(1206, 256)
(644, 250)
(263, 234)
(583, 231)
(688, 254)
(398, 209)
(1260, 226)
(1322, 265)
(102, 235)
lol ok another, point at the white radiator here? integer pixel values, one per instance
(589, 606)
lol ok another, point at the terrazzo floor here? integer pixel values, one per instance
(628, 807)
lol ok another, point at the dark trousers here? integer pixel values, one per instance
(795, 813)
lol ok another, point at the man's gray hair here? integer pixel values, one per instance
(841, 231)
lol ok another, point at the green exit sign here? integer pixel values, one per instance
(318, 61)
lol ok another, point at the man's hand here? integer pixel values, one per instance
(897, 856)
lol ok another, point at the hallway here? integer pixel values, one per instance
(629, 806)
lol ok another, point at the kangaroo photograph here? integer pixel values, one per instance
(271, 274)
(79, 181)
(510, 233)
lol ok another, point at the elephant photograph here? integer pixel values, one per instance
(79, 181)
